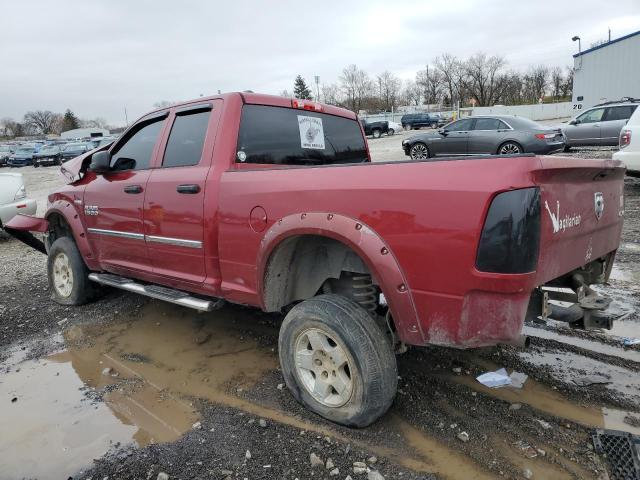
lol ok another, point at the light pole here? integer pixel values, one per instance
(577, 39)
(317, 78)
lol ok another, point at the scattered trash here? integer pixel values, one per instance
(463, 436)
(591, 380)
(629, 341)
(499, 378)
(527, 449)
(196, 426)
(518, 379)
(543, 424)
(247, 455)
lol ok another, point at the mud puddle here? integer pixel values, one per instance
(569, 366)
(146, 371)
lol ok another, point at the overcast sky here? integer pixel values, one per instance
(98, 57)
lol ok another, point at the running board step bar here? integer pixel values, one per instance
(156, 291)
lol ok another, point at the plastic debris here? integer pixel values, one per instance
(496, 379)
(629, 341)
(518, 379)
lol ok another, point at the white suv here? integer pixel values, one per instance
(630, 145)
(13, 197)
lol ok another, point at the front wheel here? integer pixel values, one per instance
(336, 360)
(376, 133)
(391, 131)
(509, 148)
(419, 151)
(68, 275)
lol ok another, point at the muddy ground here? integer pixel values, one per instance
(128, 387)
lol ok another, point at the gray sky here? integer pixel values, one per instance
(96, 57)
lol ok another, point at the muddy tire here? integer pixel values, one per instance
(68, 275)
(336, 361)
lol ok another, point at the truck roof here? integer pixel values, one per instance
(263, 99)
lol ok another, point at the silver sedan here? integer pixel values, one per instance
(485, 135)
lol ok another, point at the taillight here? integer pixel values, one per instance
(306, 105)
(510, 238)
(625, 138)
(543, 136)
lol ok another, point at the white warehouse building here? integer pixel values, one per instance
(607, 72)
(84, 133)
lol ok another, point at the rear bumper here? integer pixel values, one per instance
(25, 206)
(45, 160)
(547, 148)
(630, 159)
(19, 162)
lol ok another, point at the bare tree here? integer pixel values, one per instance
(41, 121)
(355, 84)
(164, 104)
(557, 79)
(484, 79)
(512, 93)
(430, 80)
(535, 82)
(411, 94)
(285, 93)
(331, 94)
(567, 85)
(452, 75)
(389, 86)
(97, 122)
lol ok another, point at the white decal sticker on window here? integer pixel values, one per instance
(311, 132)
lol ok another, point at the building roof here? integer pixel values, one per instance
(607, 44)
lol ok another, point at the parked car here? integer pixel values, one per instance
(286, 212)
(48, 155)
(375, 129)
(599, 125)
(72, 150)
(23, 156)
(394, 127)
(13, 198)
(102, 141)
(485, 135)
(5, 152)
(413, 121)
(629, 152)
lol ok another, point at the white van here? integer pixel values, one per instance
(629, 151)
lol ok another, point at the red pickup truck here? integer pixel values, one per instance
(274, 202)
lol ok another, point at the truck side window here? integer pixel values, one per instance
(135, 153)
(277, 135)
(184, 147)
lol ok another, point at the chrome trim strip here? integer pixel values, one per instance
(179, 242)
(116, 233)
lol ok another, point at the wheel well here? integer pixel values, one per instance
(300, 265)
(58, 228)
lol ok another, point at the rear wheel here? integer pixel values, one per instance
(567, 148)
(336, 361)
(376, 133)
(509, 148)
(391, 131)
(68, 275)
(407, 127)
(419, 151)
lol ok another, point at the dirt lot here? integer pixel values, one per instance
(128, 387)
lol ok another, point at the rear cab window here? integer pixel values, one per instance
(287, 136)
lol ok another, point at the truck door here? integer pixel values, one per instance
(453, 139)
(113, 201)
(174, 204)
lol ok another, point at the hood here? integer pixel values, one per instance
(74, 169)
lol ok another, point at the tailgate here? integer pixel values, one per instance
(582, 209)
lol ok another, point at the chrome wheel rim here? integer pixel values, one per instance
(509, 148)
(62, 275)
(323, 367)
(419, 152)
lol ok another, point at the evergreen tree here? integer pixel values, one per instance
(300, 89)
(69, 121)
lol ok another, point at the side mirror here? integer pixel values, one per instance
(100, 162)
(442, 132)
(574, 122)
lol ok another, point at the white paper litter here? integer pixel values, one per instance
(518, 379)
(499, 378)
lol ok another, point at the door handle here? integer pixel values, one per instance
(133, 189)
(188, 189)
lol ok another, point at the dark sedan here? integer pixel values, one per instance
(48, 155)
(72, 150)
(485, 135)
(22, 157)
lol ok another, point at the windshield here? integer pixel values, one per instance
(48, 149)
(25, 150)
(4, 149)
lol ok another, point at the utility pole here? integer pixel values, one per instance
(126, 118)
(317, 78)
